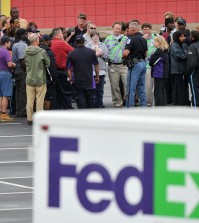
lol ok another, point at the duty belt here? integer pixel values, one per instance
(110, 62)
(136, 60)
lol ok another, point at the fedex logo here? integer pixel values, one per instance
(155, 177)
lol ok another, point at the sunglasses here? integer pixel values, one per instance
(92, 28)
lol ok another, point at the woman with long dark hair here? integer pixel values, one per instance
(178, 52)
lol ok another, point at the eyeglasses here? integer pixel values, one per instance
(92, 27)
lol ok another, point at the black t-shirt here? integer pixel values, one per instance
(137, 46)
(77, 33)
(82, 61)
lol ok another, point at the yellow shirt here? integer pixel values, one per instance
(23, 23)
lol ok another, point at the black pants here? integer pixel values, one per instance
(169, 89)
(194, 83)
(186, 84)
(13, 101)
(179, 89)
(51, 94)
(99, 93)
(20, 95)
(85, 98)
(64, 90)
(160, 91)
(121, 86)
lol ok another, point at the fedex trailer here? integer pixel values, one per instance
(117, 166)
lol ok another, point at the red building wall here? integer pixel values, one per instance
(53, 13)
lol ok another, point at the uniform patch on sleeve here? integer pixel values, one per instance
(189, 52)
(128, 41)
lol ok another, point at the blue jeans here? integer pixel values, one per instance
(99, 93)
(136, 82)
(6, 83)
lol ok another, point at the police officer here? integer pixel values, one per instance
(193, 67)
(20, 74)
(135, 52)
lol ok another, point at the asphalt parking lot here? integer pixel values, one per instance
(16, 168)
(16, 172)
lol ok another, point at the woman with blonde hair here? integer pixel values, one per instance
(159, 62)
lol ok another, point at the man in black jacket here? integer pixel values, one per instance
(193, 67)
(49, 101)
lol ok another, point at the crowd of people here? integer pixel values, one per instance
(51, 71)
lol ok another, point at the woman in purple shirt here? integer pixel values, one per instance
(5, 78)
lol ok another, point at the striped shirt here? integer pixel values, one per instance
(151, 48)
(115, 47)
(61, 49)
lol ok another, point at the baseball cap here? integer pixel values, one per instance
(5, 39)
(79, 39)
(45, 37)
(181, 21)
(31, 30)
(82, 15)
(21, 31)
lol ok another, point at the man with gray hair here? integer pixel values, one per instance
(136, 51)
(36, 60)
(87, 36)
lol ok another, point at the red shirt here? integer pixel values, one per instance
(165, 35)
(61, 49)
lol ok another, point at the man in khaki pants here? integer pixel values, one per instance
(116, 70)
(37, 61)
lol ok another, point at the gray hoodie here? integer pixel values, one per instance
(102, 59)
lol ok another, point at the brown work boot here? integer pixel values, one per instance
(0, 118)
(6, 118)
